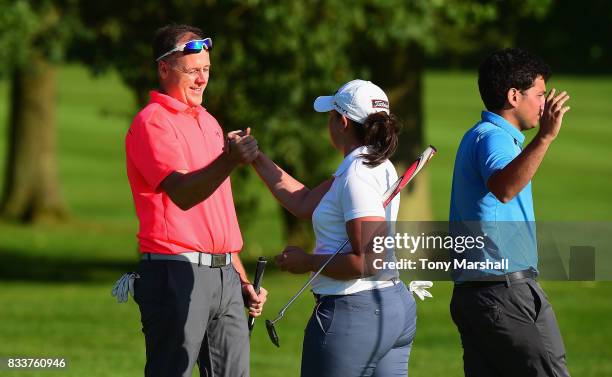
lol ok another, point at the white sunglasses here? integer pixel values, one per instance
(193, 46)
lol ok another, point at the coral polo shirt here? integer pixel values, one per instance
(167, 136)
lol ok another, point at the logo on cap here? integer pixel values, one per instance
(342, 109)
(380, 104)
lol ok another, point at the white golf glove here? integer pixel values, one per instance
(124, 285)
(419, 287)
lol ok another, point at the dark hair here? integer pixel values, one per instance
(379, 132)
(168, 36)
(506, 69)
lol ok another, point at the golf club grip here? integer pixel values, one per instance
(259, 271)
(409, 174)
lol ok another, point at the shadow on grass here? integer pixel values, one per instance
(15, 266)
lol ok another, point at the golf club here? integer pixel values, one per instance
(259, 271)
(408, 175)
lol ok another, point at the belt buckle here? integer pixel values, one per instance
(218, 260)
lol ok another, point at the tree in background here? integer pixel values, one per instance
(574, 37)
(271, 59)
(33, 36)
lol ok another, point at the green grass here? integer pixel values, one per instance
(573, 181)
(56, 279)
(101, 338)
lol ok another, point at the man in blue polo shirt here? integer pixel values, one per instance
(507, 325)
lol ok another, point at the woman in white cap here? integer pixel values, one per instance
(364, 321)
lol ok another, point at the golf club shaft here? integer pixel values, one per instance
(281, 313)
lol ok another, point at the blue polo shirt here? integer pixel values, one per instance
(510, 229)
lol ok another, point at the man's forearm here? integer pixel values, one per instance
(188, 189)
(240, 268)
(509, 181)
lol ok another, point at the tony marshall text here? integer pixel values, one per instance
(426, 264)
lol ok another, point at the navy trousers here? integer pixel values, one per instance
(368, 333)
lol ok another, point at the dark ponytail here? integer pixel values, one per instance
(379, 132)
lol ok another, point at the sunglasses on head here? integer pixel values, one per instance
(190, 47)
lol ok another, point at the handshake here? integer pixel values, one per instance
(241, 147)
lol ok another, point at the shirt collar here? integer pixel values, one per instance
(348, 160)
(172, 103)
(502, 123)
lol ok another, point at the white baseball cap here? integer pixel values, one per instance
(355, 100)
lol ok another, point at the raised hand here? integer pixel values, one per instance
(552, 115)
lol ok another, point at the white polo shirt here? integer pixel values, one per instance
(357, 191)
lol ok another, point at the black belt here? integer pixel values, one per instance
(498, 279)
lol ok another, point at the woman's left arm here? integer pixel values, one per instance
(355, 264)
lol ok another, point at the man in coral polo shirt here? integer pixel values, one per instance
(192, 286)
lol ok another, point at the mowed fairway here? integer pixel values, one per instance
(55, 280)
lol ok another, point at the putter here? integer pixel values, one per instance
(408, 175)
(259, 270)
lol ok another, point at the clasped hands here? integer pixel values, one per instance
(241, 146)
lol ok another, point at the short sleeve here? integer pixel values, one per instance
(361, 197)
(153, 148)
(494, 150)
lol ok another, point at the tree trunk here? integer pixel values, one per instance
(400, 74)
(31, 187)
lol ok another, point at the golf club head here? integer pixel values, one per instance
(272, 332)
